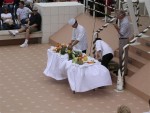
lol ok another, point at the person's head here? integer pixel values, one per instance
(5, 10)
(73, 22)
(35, 9)
(121, 14)
(21, 4)
(123, 109)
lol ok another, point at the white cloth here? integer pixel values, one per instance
(23, 13)
(147, 112)
(4, 16)
(79, 34)
(103, 47)
(81, 77)
(86, 77)
(55, 65)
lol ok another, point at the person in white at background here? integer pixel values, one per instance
(23, 13)
(103, 52)
(7, 19)
(79, 36)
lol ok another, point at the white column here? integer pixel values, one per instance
(133, 18)
(106, 7)
(147, 4)
(55, 15)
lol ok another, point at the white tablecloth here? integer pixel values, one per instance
(81, 77)
(56, 65)
(88, 76)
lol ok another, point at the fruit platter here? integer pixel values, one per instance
(77, 57)
(60, 48)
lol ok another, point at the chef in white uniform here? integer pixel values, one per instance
(79, 37)
(103, 52)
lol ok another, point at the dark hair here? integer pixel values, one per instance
(4, 9)
(75, 22)
(122, 13)
(98, 39)
(149, 102)
(22, 2)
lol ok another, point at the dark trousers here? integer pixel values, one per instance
(106, 59)
(23, 21)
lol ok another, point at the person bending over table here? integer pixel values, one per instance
(104, 52)
(79, 36)
(33, 25)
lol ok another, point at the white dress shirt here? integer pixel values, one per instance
(79, 34)
(103, 47)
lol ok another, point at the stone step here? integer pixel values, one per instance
(139, 82)
(140, 50)
(7, 39)
(131, 68)
(145, 41)
(134, 59)
(4, 35)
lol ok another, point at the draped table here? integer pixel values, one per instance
(81, 78)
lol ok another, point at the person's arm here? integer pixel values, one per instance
(18, 16)
(34, 25)
(29, 11)
(76, 40)
(2, 16)
(98, 55)
(19, 20)
(116, 27)
(73, 43)
(98, 50)
(28, 24)
(122, 30)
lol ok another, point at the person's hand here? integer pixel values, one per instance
(70, 44)
(98, 55)
(27, 20)
(115, 25)
(27, 26)
(70, 47)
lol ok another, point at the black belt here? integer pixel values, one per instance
(122, 38)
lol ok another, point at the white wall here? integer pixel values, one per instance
(55, 15)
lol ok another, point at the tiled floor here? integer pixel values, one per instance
(25, 89)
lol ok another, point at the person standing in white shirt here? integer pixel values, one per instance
(79, 36)
(103, 52)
